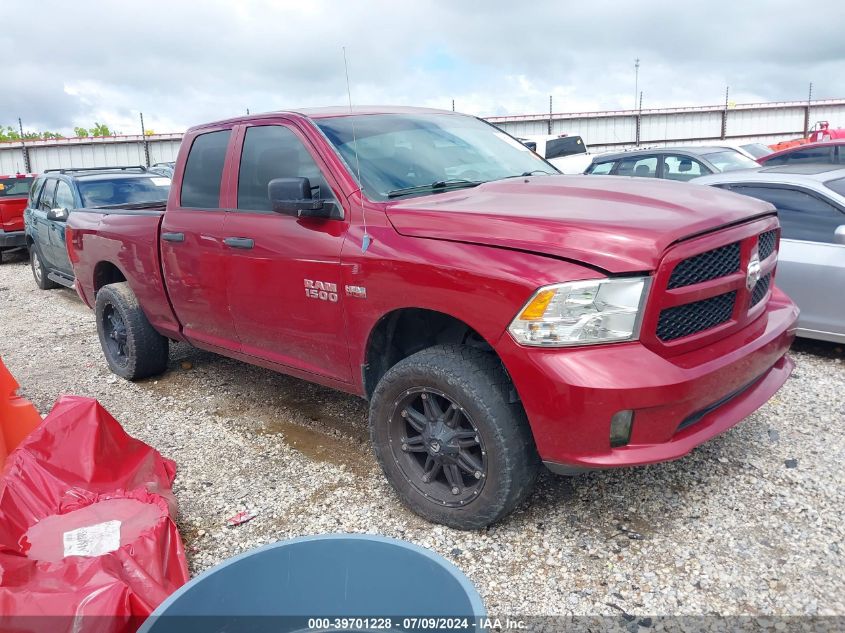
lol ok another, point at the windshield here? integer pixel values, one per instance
(757, 150)
(404, 151)
(103, 193)
(15, 187)
(730, 160)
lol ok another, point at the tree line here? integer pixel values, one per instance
(9, 133)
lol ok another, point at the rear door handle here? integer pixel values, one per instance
(239, 242)
(173, 237)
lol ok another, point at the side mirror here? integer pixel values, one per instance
(292, 196)
(59, 215)
(839, 235)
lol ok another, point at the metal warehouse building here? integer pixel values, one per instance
(618, 129)
(764, 122)
(86, 152)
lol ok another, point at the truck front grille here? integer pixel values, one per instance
(702, 286)
(761, 289)
(766, 243)
(709, 265)
(692, 318)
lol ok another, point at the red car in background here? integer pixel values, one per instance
(14, 192)
(826, 153)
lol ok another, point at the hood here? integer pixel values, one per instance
(614, 223)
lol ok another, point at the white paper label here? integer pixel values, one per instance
(161, 181)
(94, 540)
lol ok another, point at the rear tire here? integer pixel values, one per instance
(449, 440)
(133, 349)
(39, 271)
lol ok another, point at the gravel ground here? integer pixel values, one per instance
(750, 523)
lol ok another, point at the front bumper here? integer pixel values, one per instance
(570, 395)
(12, 239)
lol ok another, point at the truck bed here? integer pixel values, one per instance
(119, 243)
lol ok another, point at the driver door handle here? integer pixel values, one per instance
(239, 242)
(173, 237)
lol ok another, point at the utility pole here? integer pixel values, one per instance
(725, 115)
(146, 145)
(636, 80)
(24, 150)
(550, 115)
(453, 105)
(807, 112)
(639, 119)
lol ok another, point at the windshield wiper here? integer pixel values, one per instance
(437, 185)
(534, 172)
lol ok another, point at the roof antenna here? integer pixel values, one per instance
(367, 240)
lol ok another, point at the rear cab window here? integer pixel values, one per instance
(14, 187)
(565, 146)
(204, 170)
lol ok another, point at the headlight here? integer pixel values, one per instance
(582, 313)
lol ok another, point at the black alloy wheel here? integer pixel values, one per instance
(437, 447)
(114, 330)
(450, 437)
(132, 347)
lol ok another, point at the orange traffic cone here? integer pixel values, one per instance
(17, 415)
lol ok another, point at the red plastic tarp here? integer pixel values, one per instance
(88, 540)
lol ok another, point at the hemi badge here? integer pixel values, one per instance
(356, 291)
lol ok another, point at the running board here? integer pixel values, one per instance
(61, 280)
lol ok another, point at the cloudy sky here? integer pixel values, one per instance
(182, 62)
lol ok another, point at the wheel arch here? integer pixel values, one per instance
(404, 331)
(106, 272)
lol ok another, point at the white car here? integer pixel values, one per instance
(568, 153)
(810, 200)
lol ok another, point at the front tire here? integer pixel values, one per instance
(39, 271)
(133, 349)
(449, 440)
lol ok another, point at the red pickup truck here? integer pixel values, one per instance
(494, 313)
(14, 192)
